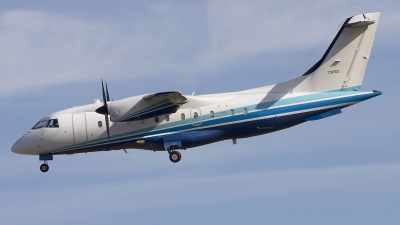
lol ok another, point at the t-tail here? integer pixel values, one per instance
(343, 65)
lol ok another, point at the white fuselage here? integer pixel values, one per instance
(81, 129)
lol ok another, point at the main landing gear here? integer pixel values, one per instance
(44, 167)
(174, 156)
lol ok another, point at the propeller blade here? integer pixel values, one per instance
(104, 94)
(107, 126)
(108, 96)
(104, 108)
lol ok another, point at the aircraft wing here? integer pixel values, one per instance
(148, 106)
(172, 96)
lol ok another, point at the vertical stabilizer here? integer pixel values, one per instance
(342, 67)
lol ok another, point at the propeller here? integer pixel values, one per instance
(104, 108)
(108, 96)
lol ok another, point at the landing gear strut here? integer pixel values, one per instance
(44, 167)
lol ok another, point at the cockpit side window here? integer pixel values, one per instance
(53, 123)
(41, 124)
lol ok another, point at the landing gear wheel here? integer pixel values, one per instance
(44, 167)
(175, 156)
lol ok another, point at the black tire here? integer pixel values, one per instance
(44, 168)
(175, 156)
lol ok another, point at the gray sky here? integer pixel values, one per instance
(341, 170)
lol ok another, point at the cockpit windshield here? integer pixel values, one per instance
(41, 124)
(46, 123)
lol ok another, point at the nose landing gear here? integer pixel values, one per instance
(44, 167)
(44, 157)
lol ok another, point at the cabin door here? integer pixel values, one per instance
(94, 126)
(79, 125)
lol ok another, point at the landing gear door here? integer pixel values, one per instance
(79, 125)
(195, 116)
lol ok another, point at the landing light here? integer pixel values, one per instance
(141, 141)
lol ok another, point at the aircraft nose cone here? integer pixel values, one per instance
(17, 147)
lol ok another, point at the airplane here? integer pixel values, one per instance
(171, 121)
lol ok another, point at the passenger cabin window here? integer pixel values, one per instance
(232, 112)
(53, 123)
(99, 124)
(245, 111)
(156, 119)
(182, 116)
(167, 118)
(211, 114)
